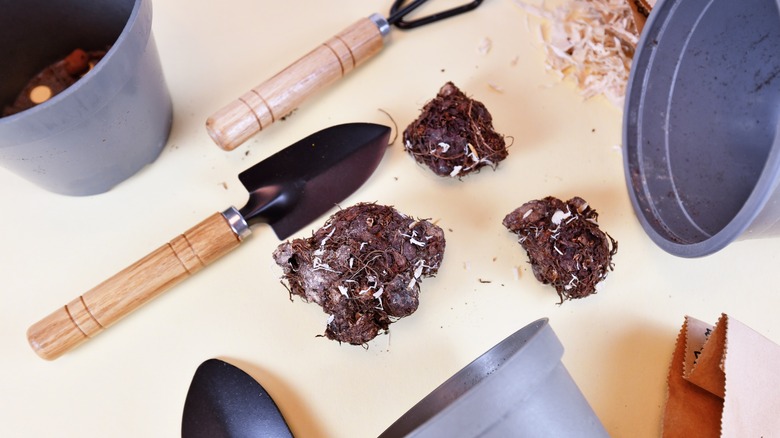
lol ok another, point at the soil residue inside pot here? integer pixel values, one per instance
(454, 135)
(54, 79)
(363, 267)
(565, 245)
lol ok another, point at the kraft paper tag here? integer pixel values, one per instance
(724, 381)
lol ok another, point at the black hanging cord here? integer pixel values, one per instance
(398, 11)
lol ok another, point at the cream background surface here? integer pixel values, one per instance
(132, 380)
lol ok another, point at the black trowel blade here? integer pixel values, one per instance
(298, 184)
(225, 402)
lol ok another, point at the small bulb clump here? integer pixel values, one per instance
(564, 243)
(454, 135)
(364, 268)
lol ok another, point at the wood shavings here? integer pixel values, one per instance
(495, 87)
(484, 46)
(591, 42)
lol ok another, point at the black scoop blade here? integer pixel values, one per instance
(298, 184)
(225, 402)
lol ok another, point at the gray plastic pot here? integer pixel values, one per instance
(109, 124)
(519, 388)
(700, 129)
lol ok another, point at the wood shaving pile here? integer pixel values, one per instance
(591, 42)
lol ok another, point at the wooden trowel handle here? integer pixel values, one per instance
(278, 96)
(105, 304)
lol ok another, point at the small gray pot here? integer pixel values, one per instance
(519, 388)
(700, 129)
(111, 122)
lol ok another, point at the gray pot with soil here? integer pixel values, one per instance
(106, 126)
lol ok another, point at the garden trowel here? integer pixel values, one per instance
(288, 190)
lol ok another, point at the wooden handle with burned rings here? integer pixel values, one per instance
(89, 314)
(281, 94)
